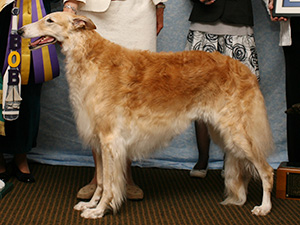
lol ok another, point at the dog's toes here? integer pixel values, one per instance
(233, 201)
(260, 210)
(84, 205)
(80, 206)
(92, 213)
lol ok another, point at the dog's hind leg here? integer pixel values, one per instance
(236, 182)
(98, 192)
(266, 174)
(237, 179)
(114, 162)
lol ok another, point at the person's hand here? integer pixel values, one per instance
(71, 6)
(207, 2)
(159, 19)
(271, 7)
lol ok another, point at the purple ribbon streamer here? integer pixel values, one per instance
(37, 55)
(37, 58)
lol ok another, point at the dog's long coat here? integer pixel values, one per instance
(129, 103)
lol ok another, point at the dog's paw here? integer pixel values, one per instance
(233, 201)
(261, 210)
(92, 213)
(85, 205)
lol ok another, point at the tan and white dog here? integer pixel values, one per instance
(129, 103)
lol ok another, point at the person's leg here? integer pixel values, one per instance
(203, 143)
(5, 16)
(21, 162)
(4, 176)
(2, 164)
(21, 168)
(292, 54)
(133, 191)
(87, 191)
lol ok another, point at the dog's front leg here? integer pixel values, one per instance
(98, 192)
(114, 164)
(80, 206)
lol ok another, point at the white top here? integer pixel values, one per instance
(285, 36)
(130, 23)
(100, 5)
(220, 28)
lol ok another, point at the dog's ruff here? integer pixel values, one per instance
(129, 103)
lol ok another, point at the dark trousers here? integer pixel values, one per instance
(292, 61)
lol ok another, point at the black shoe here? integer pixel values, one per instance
(4, 177)
(295, 109)
(23, 177)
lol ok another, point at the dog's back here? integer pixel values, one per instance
(168, 86)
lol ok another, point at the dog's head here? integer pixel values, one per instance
(54, 27)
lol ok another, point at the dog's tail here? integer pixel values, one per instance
(261, 130)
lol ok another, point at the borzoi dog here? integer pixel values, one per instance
(128, 103)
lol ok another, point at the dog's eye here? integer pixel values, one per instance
(49, 20)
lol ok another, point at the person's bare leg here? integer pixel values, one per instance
(203, 143)
(21, 168)
(133, 191)
(94, 179)
(21, 163)
(87, 191)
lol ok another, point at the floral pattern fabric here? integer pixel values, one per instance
(240, 47)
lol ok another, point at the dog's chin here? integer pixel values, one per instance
(41, 42)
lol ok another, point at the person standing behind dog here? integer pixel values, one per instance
(225, 26)
(289, 39)
(19, 136)
(133, 24)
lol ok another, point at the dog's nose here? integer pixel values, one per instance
(20, 31)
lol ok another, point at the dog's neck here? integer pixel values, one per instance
(82, 49)
(88, 44)
(81, 41)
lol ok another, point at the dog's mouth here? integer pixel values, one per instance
(41, 42)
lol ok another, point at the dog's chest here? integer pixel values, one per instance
(77, 95)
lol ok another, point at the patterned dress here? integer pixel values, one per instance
(240, 47)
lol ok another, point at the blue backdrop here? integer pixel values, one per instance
(58, 143)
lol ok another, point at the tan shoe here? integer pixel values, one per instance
(87, 191)
(198, 173)
(134, 192)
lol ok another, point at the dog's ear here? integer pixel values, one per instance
(82, 22)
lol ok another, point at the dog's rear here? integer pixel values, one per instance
(129, 103)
